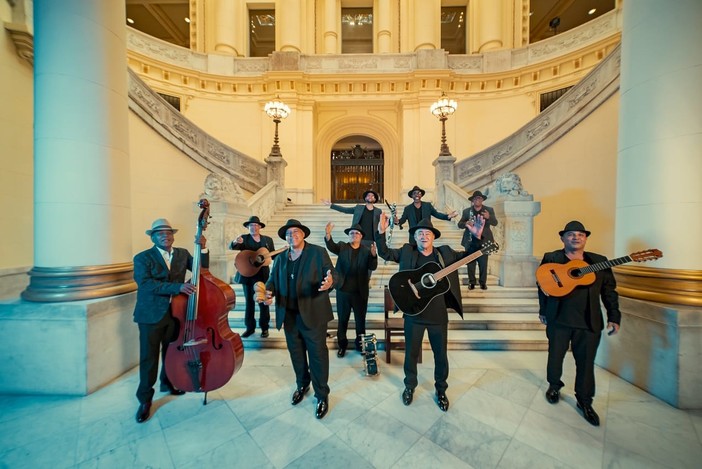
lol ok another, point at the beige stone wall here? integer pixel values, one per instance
(575, 179)
(16, 157)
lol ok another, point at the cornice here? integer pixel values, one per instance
(670, 286)
(484, 167)
(23, 41)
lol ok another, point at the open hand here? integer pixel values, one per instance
(327, 282)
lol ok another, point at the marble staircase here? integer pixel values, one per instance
(498, 318)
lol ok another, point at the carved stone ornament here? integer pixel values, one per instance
(510, 185)
(222, 189)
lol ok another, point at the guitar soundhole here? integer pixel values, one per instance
(576, 273)
(428, 281)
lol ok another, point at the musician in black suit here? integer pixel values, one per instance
(300, 281)
(366, 215)
(575, 320)
(354, 263)
(159, 273)
(434, 318)
(419, 210)
(253, 242)
(473, 243)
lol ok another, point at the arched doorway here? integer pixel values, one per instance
(357, 165)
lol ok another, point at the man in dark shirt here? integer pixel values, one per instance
(575, 320)
(434, 318)
(473, 243)
(366, 215)
(353, 266)
(419, 210)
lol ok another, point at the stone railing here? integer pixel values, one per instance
(483, 168)
(249, 173)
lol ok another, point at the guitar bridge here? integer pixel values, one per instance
(556, 279)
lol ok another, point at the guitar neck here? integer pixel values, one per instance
(278, 251)
(605, 264)
(457, 265)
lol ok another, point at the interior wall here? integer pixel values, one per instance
(575, 179)
(16, 157)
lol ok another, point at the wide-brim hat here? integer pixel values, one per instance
(416, 188)
(574, 226)
(292, 223)
(356, 227)
(377, 197)
(160, 224)
(477, 194)
(425, 224)
(254, 219)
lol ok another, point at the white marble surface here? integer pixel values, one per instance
(498, 419)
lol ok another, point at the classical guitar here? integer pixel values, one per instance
(560, 279)
(412, 290)
(248, 263)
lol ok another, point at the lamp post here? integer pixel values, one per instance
(277, 110)
(444, 171)
(443, 108)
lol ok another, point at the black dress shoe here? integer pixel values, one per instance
(552, 394)
(247, 334)
(483, 286)
(143, 412)
(341, 352)
(442, 400)
(264, 334)
(322, 407)
(407, 396)
(471, 286)
(299, 394)
(589, 414)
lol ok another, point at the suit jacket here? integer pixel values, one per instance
(407, 257)
(604, 287)
(427, 210)
(487, 232)
(357, 212)
(250, 244)
(315, 306)
(366, 262)
(156, 284)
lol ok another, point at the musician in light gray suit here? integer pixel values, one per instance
(159, 273)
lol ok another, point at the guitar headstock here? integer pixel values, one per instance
(489, 247)
(203, 219)
(647, 255)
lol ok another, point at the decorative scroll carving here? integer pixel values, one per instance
(581, 94)
(509, 184)
(576, 37)
(221, 188)
(465, 62)
(498, 155)
(23, 41)
(538, 128)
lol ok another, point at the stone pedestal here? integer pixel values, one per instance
(515, 263)
(659, 349)
(71, 348)
(226, 224)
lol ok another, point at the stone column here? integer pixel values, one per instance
(225, 28)
(515, 210)
(382, 12)
(82, 216)
(82, 213)
(489, 25)
(332, 10)
(289, 23)
(659, 202)
(427, 25)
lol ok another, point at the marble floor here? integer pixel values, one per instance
(498, 419)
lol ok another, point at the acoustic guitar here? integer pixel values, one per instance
(412, 290)
(248, 263)
(560, 279)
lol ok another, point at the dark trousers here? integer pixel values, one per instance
(481, 262)
(304, 342)
(438, 338)
(153, 337)
(249, 318)
(583, 343)
(344, 303)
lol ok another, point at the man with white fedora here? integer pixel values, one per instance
(159, 273)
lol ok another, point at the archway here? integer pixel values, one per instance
(357, 165)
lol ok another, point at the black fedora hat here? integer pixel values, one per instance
(292, 223)
(356, 227)
(254, 219)
(377, 197)
(574, 226)
(477, 194)
(425, 224)
(416, 188)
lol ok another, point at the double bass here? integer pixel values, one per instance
(207, 352)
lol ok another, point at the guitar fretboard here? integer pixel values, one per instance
(605, 264)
